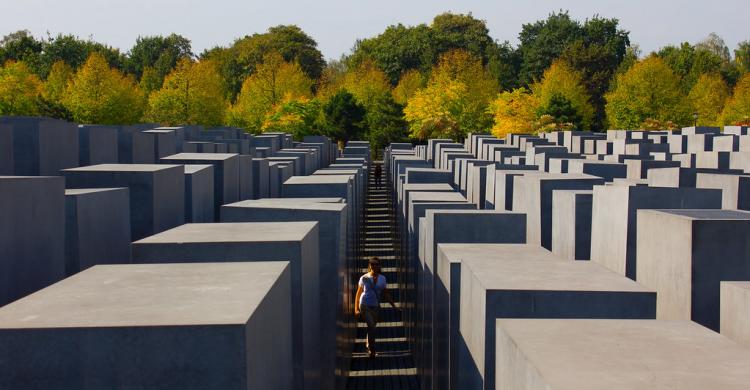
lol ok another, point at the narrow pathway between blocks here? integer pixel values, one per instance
(393, 368)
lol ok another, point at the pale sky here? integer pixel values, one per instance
(336, 24)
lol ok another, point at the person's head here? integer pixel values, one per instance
(374, 265)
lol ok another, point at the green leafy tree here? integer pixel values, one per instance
(385, 122)
(344, 116)
(99, 94)
(21, 46)
(707, 98)
(74, 52)
(53, 91)
(296, 116)
(19, 89)
(737, 108)
(560, 82)
(742, 56)
(544, 41)
(648, 90)
(562, 113)
(191, 94)
(410, 82)
(158, 53)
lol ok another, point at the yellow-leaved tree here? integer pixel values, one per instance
(562, 95)
(272, 81)
(707, 98)
(19, 89)
(409, 83)
(514, 112)
(737, 109)
(99, 94)
(455, 100)
(57, 81)
(649, 90)
(193, 93)
(366, 82)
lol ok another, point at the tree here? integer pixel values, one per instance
(597, 54)
(559, 113)
(332, 80)
(737, 108)
(296, 116)
(151, 80)
(192, 94)
(715, 44)
(273, 80)
(158, 53)
(707, 98)
(74, 52)
(458, 31)
(21, 46)
(561, 82)
(366, 82)
(19, 89)
(690, 62)
(99, 94)
(742, 56)
(385, 122)
(514, 112)
(649, 89)
(344, 116)
(410, 82)
(57, 81)
(544, 41)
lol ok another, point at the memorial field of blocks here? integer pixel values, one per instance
(147, 257)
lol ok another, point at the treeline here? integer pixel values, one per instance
(438, 80)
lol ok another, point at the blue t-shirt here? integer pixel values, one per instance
(371, 291)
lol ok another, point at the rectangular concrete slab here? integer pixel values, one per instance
(226, 174)
(168, 326)
(735, 311)
(199, 193)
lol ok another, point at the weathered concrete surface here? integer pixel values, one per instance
(735, 189)
(616, 354)
(32, 211)
(41, 146)
(536, 289)
(199, 193)
(295, 242)
(165, 326)
(571, 224)
(226, 174)
(735, 311)
(682, 266)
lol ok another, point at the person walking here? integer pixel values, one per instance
(378, 174)
(370, 289)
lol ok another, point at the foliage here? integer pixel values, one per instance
(192, 94)
(544, 41)
(157, 53)
(296, 116)
(21, 46)
(57, 81)
(332, 80)
(19, 89)
(99, 94)
(273, 80)
(564, 85)
(737, 108)
(690, 62)
(742, 56)
(559, 113)
(366, 82)
(344, 116)
(75, 51)
(385, 121)
(514, 112)
(411, 81)
(649, 89)
(707, 98)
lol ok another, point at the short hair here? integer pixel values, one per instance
(373, 260)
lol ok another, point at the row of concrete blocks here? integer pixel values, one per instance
(702, 292)
(269, 325)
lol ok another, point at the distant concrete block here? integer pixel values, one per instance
(157, 192)
(295, 242)
(199, 193)
(42, 146)
(198, 147)
(226, 174)
(526, 288)
(97, 228)
(32, 234)
(166, 326)
(571, 224)
(622, 354)
(246, 177)
(165, 142)
(134, 147)
(682, 266)
(604, 169)
(6, 149)
(97, 145)
(735, 189)
(260, 178)
(638, 169)
(613, 219)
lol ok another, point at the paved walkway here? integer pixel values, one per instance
(393, 368)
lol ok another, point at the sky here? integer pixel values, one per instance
(336, 24)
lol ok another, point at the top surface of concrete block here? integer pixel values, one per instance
(541, 274)
(192, 168)
(461, 252)
(147, 295)
(233, 232)
(621, 354)
(261, 203)
(319, 179)
(200, 156)
(709, 214)
(122, 168)
(84, 191)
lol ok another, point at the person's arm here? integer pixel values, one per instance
(356, 300)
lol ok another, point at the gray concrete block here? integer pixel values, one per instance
(226, 174)
(571, 224)
(500, 185)
(165, 142)
(735, 189)
(6, 149)
(157, 192)
(533, 195)
(165, 326)
(42, 146)
(682, 266)
(198, 147)
(616, 354)
(260, 178)
(134, 147)
(199, 193)
(613, 219)
(528, 288)
(638, 169)
(604, 169)
(97, 145)
(332, 273)
(295, 242)
(735, 311)
(32, 234)
(97, 228)
(246, 177)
